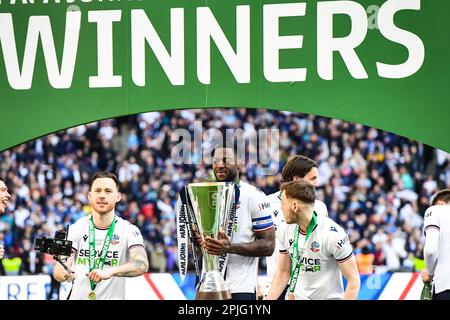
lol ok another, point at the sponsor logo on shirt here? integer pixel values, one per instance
(342, 242)
(310, 265)
(264, 205)
(315, 246)
(333, 228)
(112, 258)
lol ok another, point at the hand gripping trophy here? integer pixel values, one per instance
(205, 207)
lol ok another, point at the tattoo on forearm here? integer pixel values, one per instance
(139, 263)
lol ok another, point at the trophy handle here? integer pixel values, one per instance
(192, 222)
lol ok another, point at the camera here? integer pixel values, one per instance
(58, 246)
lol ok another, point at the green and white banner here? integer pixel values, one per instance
(379, 63)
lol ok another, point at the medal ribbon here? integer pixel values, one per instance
(296, 255)
(104, 252)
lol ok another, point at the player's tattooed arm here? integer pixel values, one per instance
(138, 264)
(139, 259)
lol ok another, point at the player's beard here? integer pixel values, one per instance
(106, 208)
(231, 176)
(290, 217)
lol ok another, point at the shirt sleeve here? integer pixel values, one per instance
(339, 244)
(134, 237)
(431, 219)
(260, 209)
(430, 250)
(281, 234)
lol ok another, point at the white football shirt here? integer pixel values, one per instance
(328, 245)
(277, 215)
(438, 218)
(125, 237)
(253, 214)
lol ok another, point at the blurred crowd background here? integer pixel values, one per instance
(377, 185)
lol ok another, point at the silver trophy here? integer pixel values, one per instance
(211, 204)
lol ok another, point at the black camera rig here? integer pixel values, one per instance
(58, 247)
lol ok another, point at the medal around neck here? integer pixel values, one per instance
(211, 205)
(92, 295)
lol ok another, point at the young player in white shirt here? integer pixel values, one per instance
(437, 245)
(299, 167)
(316, 255)
(105, 247)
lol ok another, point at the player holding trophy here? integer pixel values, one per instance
(243, 229)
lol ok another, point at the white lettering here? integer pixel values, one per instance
(142, 31)
(326, 44)
(416, 49)
(207, 29)
(105, 77)
(39, 26)
(273, 42)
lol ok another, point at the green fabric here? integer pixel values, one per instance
(12, 265)
(419, 264)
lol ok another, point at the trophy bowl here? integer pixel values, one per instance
(211, 204)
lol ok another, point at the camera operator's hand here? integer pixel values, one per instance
(98, 275)
(66, 276)
(60, 274)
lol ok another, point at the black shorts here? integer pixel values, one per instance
(243, 296)
(444, 295)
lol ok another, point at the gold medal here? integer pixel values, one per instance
(92, 295)
(291, 296)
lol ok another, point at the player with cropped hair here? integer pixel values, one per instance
(315, 255)
(106, 248)
(252, 233)
(437, 245)
(299, 167)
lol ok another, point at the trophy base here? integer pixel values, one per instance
(218, 295)
(213, 287)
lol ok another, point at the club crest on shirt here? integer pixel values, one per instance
(115, 239)
(315, 246)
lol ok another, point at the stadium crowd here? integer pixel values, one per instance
(377, 185)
